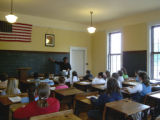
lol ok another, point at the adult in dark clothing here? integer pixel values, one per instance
(64, 65)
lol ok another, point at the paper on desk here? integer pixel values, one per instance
(84, 82)
(88, 97)
(52, 88)
(15, 99)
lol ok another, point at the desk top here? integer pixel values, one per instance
(5, 101)
(154, 81)
(83, 83)
(100, 87)
(61, 115)
(16, 106)
(70, 116)
(127, 106)
(2, 88)
(83, 98)
(155, 94)
(130, 83)
(64, 117)
(68, 91)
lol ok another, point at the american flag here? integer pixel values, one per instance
(20, 32)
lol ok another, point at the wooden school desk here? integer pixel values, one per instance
(99, 88)
(13, 108)
(83, 85)
(125, 107)
(2, 88)
(4, 100)
(62, 115)
(126, 94)
(66, 96)
(5, 104)
(82, 103)
(152, 99)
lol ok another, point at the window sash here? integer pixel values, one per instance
(153, 53)
(110, 67)
(112, 54)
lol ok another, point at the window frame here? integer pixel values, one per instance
(152, 53)
(109, 50)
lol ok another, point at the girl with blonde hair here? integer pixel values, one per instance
(12, 87)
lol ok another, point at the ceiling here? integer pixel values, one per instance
(79, 10)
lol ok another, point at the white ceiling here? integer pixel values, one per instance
(79, 10)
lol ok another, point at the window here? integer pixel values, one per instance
(155, 52)
(114, 55)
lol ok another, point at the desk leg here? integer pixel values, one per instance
(10, 115)
(104, 113)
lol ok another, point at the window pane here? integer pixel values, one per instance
(156, 65)
(156, 39)
(115, 63)
(115, 39)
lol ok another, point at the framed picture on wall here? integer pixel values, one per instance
(50, 40)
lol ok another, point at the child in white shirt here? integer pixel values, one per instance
(47, 80)
(120, 78)
(116, 76)
(99, 79)
(74, 77)
(12, 87)
(106, 76)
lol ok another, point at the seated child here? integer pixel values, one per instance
(74, 77)
(44, 105)
(112, 94)
(12, 87)
(88, 75)
(120, 78)
(106, 76)
(136, 75)
(140, 89)
(3, 80)
(99, 79)
(61, 83)
(125, 76)
(31, 94)
(47, 80)
(36, 78)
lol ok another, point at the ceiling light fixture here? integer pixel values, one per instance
(11, 18)
(91, 29)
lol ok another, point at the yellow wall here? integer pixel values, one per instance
(64, 39)
(134, 38)
(134, 35)
(98, 52)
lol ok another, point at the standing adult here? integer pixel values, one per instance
(64, 65)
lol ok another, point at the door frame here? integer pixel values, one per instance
(72, 48)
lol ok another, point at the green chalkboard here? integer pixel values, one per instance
(38, 61)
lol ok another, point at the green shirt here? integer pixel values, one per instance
(125, 76)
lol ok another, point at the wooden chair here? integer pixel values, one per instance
(46, 116)
(83, 96)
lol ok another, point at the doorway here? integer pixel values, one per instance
(78, 60)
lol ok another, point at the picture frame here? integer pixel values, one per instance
(49, 40)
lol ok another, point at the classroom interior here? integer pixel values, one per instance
(68, 21)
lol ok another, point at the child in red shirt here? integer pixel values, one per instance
(43, 106)
(61, 83)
